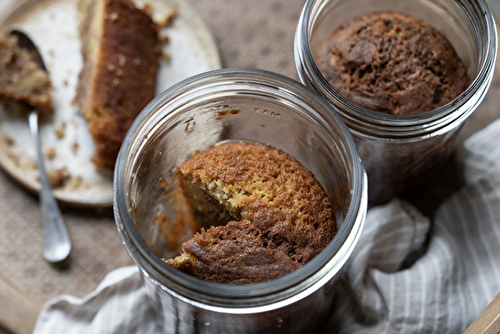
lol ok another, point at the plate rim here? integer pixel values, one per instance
(9, 167)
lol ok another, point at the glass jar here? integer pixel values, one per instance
(399, 151)
(235, 105)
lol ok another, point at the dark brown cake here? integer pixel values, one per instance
(392, 63)
(120, 49)
(277, 216)
(21, 78)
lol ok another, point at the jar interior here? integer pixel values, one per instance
(446, 16)
(194, 123)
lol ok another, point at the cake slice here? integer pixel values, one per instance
(21, 78)
(269, 214)
(120, 49)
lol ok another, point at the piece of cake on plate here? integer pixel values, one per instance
(21, 78)
(120, 49)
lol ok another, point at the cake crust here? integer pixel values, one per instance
(120, 48)
(277, 215)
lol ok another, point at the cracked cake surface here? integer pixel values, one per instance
(392, 63)
(263, 214)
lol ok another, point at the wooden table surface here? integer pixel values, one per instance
(257, 34)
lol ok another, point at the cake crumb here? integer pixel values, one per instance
(9, 141)
(50, 153)
(61, 130)
(75, 183)
(14, 157)
(74, 147)
(31, 165)
(148, 9)
(164, 40)
(58, 177)
(168, 18)
(166, 56)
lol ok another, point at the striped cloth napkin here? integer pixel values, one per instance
(442, 292)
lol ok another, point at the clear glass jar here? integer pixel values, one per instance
(236, 105)
(399, 151)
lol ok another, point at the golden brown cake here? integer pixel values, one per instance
(274, 216)
(21, 78)
(120, 50)
(392, 63)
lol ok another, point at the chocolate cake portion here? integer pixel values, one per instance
(273, 214)
(120, 49)
(392, 63)
(21, 78)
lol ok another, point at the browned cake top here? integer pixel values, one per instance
(21, 79)
(392, 63)
(286, 216)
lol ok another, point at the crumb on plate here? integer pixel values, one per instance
(9, 141)
(74, 147)
(58, 177)
(61, 130)
(168, 18)
(50, 153)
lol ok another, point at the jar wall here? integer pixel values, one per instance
(399, 151)
(398, 167)
(237, 105)
(180, 315)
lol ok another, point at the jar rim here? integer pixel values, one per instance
(136, 245)
(429, 123)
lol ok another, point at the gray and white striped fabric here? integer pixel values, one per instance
(442, 292)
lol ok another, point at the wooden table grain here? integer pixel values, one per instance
(256, 34)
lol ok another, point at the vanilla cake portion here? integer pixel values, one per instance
(269, 214)
(120, 49)
(21, 78)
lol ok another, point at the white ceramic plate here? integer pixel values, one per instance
(52, 24)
